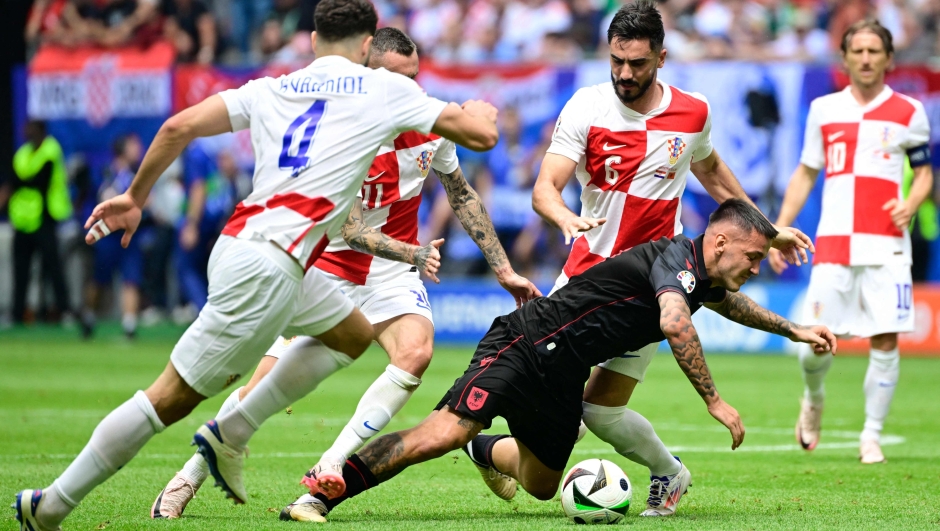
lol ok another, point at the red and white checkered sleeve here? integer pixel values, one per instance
(704, 147)
(813, 155)
(570, 136)
(918, 132)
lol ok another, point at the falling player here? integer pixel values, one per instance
(631, 144)
(531, 366)
(313, 145)
(860, 284)
(385, 287)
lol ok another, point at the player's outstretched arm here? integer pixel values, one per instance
(675, 320)
(740, 308)
(801, 184)
(207, 118)
(366, 239)
(472, 214)
(472, 125)
(554, 174)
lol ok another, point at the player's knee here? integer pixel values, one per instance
(413, 355)
(542, 489)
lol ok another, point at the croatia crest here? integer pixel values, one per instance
(675, 146)
(424, 162)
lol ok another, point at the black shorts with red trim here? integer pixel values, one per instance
(539, 398)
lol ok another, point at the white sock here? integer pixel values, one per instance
(382, 401)
(196, 470)
(129, 323)
(880, 382)
(304, 364)
(814, 373)
(632, 436)
(115, 441)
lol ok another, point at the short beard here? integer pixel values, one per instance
(630, 99)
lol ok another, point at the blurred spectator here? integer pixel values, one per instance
(38, 199)
(157, 237)
(62, 22)
(129, 22)
(110, 257)
(190, 27)
(803, 41)
(526, 22)
(245, 19)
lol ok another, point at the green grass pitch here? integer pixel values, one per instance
(54, 390)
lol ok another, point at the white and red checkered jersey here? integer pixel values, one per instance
(862, 149)
(314, 133)
(632, 167)
(391, 195)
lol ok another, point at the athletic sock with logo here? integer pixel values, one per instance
(632, 436)
(815, 368)
(382, 401)
(480, 449)
(358, 479)
(196, 470)
(884, 367)
(302, 367)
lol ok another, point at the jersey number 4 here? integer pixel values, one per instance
(298, 138)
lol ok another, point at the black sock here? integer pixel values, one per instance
(481, 449)
(358, 479)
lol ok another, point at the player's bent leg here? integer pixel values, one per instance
(480, 450)
(408, 339)
(884, 367)
(513, 458)
(173, 499)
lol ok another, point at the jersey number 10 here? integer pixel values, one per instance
(835, 158)
(298, 138)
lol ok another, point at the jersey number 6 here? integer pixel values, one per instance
(299, 137)
(610, 174)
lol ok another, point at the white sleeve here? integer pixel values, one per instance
(239, 103)
(409, 107)
(918, 132)
(705, 146)
(445, 160)
(813, 155)
(570, 136)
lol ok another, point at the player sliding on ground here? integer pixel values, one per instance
(315, 133)
(861, 280)
(631, 144)
(387, 288)
(531, 366)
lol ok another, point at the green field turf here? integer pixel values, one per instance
(54, 390)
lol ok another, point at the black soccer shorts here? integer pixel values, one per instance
(542, 405)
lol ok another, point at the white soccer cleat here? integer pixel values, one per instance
(174, 497)
(666, 491)
(808, 425)
(225, 462)
(325, 478)
(305, 509)
(26, 507)
(870, 453)
(502, 485)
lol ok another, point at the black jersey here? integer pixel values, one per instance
(611, 309)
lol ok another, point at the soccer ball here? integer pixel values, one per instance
(595, 492)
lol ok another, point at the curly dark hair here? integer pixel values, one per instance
(637, 21)
(336, 20)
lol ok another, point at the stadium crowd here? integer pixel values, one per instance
(484, 31)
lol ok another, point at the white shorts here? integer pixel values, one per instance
(632, 364)
(401, 296)
(256, 293)
(860, 301)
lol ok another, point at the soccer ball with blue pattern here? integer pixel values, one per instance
(595, 491)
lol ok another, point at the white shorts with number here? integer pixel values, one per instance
(632, 364)
(401, 296)
(860, 301)
(256, 293)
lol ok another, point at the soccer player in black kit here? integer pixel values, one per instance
(531, 366)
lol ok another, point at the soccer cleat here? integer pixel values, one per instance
(26, 507)
(305, 509)
(502, 485)
(325, 478)
(173, 498)
(225, 462)
(870, 453)
(666, 491)
(808, 425)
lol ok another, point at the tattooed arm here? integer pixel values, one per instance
(675, 320)
(368, 240)
(739, 308)
(472, 214)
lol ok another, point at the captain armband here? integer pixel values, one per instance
(919, 155)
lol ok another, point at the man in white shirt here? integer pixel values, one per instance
(314, 133)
